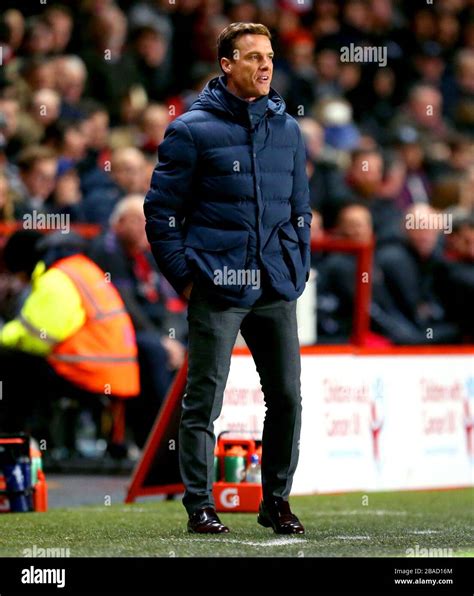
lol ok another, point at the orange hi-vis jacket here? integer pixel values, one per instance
(101, 356)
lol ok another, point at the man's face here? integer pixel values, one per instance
(464, 242)
(419, 103)
(355, 223)
(41, 179)
(366, 173)
(155, 122)
(152, 48)
(128, 173)
(130, 229)
(250, 70)
(9, 109)
(96, 128)
(423, 241)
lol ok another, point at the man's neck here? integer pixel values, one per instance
(231, 87)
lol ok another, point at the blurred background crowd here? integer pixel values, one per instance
(87, 89)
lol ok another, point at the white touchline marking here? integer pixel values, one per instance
(352, 537)
(362, 512)
(425, 532)
(126, 509)
(276, 542)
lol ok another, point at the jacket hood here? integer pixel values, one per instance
(216, 98)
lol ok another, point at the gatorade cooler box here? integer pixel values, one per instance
(231, 490)
(23, 486)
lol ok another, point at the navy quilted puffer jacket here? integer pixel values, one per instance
(230, 193)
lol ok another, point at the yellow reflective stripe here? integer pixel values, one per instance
(38, 333)
(80, 358)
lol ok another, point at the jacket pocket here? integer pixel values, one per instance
(218, 255)
(292, 253)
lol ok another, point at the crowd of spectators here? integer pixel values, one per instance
(87, 89)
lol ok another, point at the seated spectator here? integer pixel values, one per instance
(428, 63)
(424, 112)
(337, 285)
(155, 309)
(9, 112)
(71, 77)
(154, 121)
(60, 19)
(111, 69)
(416, 184)
(457, 276)
(68, 139)
(364, 180)
(461, 240)
(326, 182)
(126, 177)
(384, 102)
(297, 79)
(328, 68)
(459, 157)
(67, 196)
(340, 131)
(132, 106)
(460, 92)
(39, 39)
(147, 132)
(411, 273)
(199, 77)
(6, 201)
(38, 168)
(39, 73)
(462, 148)
(15, 22)
(337, 276)
(96, 127)
(153, 61)
(7, 168)
(45, 107)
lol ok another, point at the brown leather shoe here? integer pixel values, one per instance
(277, 514)
(205, 521)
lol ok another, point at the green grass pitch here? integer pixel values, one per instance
(372, 525)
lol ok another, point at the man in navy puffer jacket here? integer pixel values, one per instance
(228, 220)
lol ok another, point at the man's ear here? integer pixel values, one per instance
(226, 65)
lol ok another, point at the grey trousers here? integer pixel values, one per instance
(270, 330)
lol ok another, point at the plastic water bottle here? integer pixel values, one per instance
(17, 479)
(254, 471)
(36, 462)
